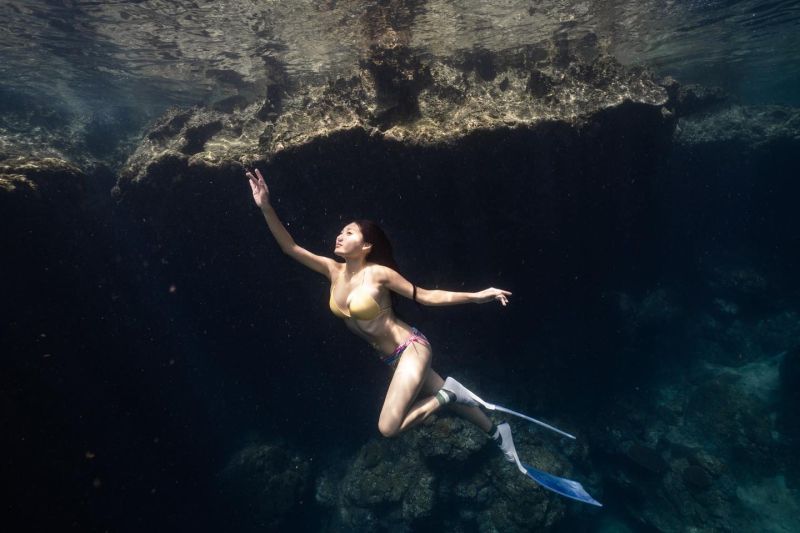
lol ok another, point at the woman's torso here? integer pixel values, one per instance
(361, 296)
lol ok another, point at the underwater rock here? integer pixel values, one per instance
(405, 483)
(421, 498)
(773, 501)
(790, 394)
(647, 458)
(652, 310)
(33, 191)
(697, 477)
(734, 340)
(726, 307)
(709, 463)
(737, 280)
(701, 436)
(47, 179)
(747, 128)
(44, 215)
(398, 96)
(711, 507)
(372, 454)
(650, 480)
(269, 482)
(370, 482)
(692, 98)
(55, 130)
(384, 486)
(726, 411)
(446, 437)
(231, 103)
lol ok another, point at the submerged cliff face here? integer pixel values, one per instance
(399, 97)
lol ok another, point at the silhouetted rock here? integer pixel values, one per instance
(647, 458)
(745, 128)
(41, 200)
(692, 98)
(406, 483)
(790, 394)
(697, 477)
(701, 448)
(49, 182)
(261, 486)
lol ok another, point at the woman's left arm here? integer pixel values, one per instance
(394, 281)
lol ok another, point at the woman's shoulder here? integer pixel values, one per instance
(337, 267)
(378, 266)
(380, 273)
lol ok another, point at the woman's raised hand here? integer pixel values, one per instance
(260, 189)
(490, 294)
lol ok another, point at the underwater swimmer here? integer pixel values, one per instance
(360, 295)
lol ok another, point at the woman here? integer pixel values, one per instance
(360, 296)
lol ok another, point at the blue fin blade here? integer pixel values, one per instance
(560, 485)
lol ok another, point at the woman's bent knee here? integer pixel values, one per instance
(388, 429)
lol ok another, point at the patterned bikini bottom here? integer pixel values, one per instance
(394, 357)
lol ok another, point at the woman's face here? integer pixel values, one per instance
(350, 241)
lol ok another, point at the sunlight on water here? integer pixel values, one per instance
(186, 49)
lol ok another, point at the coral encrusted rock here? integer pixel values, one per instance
(400, 97)
(443, 474)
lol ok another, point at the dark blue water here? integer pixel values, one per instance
(168, 368)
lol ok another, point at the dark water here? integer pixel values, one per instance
(655, 309)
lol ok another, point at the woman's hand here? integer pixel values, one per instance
(490, 294)
(260, 189)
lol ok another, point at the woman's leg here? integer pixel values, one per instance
(412, 377)
(473, 414)
(407, 381)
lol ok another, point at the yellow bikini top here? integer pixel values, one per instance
(362, 305)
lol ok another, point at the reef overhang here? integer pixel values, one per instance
(399, 97)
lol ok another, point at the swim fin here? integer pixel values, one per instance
(494, 407)
(560, 485)
(466, 396)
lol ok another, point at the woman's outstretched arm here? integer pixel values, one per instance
(394, 281)
(318, 263)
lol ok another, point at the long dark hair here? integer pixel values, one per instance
(381, 251)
